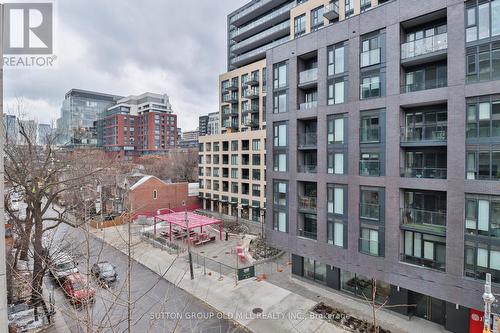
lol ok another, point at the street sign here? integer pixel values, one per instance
(246, 273)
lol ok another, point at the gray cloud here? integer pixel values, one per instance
(128, 47)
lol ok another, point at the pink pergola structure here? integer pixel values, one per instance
(193, 221)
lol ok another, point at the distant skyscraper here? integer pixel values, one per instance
(203, 125)
(44, 134)
(79, 112)
(11, 128)
(213, 123)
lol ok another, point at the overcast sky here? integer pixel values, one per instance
(129, 47)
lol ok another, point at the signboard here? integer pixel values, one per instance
(476, 321)
(246, 273)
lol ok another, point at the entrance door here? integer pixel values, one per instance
(427, 307)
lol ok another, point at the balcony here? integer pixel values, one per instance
(423, 221)
(308, 105)
(253, 11)
(230, 112)
(260, 52)
(369, 134)
(369, 168)
(308, 168)
(253, 80)
(370, 58)
(331, 11)
(261, 38)
(307, 234)
(428, 135)
(250, 123)
(308, 77)
(369, 211)
(251, 93)
(423, 50)
(230, 98)
(307, 204)
(232, 86)
(264, 22)
(425, 172)
(231, 124)
(434, 264)
(425, 85)
(308, 140)
(250, 109)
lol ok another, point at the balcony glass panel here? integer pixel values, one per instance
(371, 57)
(424, 46)
(309, 75)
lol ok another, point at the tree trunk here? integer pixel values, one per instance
(39, 256)
(25, 240)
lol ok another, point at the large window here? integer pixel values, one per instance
(483, 118)
(369, 242)
(425, 250)
(280, 102)
(370, 204)
(337, 215)
(483, 163)
(337, 91)
(370, 86)
(300, 25)
(423, 78)
(482, 216)
(370, 51)
(349, 8)
(280, 75)
(336, 59)
(483, 63)
(317, 18)
(337, 147)
(280, 155)
(482, 258)
(482, 19)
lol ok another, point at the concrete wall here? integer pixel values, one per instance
(450, 285)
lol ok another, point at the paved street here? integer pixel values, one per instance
(160, 305)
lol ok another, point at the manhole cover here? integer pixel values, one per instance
(257, 310)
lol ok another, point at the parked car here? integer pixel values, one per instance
(104, 272)
(77, 289)
(61, 266)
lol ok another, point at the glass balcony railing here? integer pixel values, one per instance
(250, 109)
(331, 10)
(263, 19)
(308, 105)
(434, 264)
(425, 172)
(308, 168)
(370, 134)
(308, 76)
(230, 98)
(308, 139)
(260, 36)
(307, 203)
(251, 93)
(424, 133)
(425, 85)
(412, 216)
(260, 50)
(369, 58)
(369, 168)
(369, 211)
(424, 46)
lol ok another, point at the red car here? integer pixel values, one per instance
(77, 289)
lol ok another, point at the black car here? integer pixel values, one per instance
(104, 272)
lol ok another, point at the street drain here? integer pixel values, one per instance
(257, 310)
(214, 257)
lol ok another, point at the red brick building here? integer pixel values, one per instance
(139, 125)
(150, 194)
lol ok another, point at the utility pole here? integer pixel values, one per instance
(3, 275)
(186, 220)
(488, 299)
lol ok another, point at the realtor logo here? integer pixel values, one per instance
(28, 28)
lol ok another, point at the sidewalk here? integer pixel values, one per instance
(286, 298)
(282, 310)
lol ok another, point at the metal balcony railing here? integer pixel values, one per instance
(434, 264)
(422, 217)
(308, 168)
(308, 139)
(307, 203)
(425, 172)
(424, 133)
(370, 134)
(369, 168)
(307, 234)
(425, 85)
(260, 36)
(424, 46)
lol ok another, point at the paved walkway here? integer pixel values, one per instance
(285, 301)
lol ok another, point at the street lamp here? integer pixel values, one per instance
(488, 299)
(186, 220)
(262, 223)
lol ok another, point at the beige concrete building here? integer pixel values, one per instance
(232, 164)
